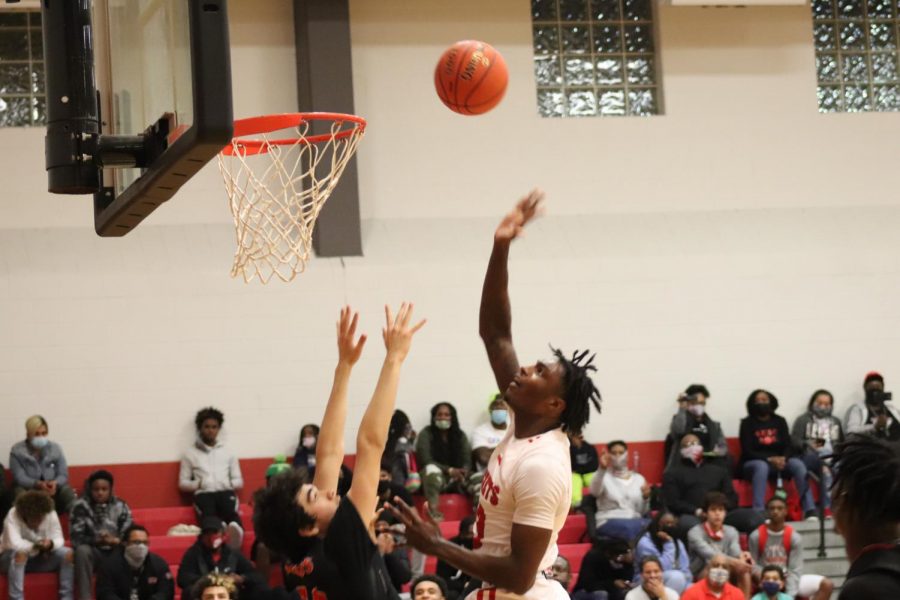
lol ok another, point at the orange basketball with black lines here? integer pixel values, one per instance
(471, 77)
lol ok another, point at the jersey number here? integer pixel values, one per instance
(316, 594)
(479, 526)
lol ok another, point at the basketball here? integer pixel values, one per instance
(471, 77)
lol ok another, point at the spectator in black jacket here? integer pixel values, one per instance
(585, 463)
(866, 504)
(456, 579)
(687, 482)
(133, 572)
(210, 554)
(767, 451)
(607, 567)
(693, 418)
(392, 548)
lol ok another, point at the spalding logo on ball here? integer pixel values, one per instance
(471, 77)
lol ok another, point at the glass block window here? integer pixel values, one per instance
(857, 55)
(22, 98)
(595, 58)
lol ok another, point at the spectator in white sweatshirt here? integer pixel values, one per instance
(623, 496)
(32, 542)
(213, 474)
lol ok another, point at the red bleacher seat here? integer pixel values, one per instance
(454, 506)
(38, 586)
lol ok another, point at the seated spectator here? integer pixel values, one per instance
(97, 527)
(771, 585)
(778, 544)
(715, 586)
(585, 463)
(305, 456)
(622, 495)
(687, 481)
(399, 453)
(713, 539)
(388, 490)
(607, 571)
(485, 438)
(766, 451)
(32, 542)
(652, 586)
(817, 432)
(392, 548)
(456, 579)
(428, 587)
(561, 572)
(444, 455)
(661, 544)
(209, 554)
(873, 415)
(866, 503)
(214, 586)
(693, 418)
(39, 464)
(132, 572)
(212, 472)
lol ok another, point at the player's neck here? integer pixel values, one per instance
(526, 427)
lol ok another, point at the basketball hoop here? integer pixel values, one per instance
(277, 186)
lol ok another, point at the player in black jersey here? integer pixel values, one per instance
(328, 540)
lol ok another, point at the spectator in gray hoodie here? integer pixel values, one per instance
(97, 528)
(213, 474)
(39, 464)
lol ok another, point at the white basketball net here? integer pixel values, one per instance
(276, 188)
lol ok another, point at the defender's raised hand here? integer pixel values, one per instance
(349, 347)
(397, 332)
(514, 222)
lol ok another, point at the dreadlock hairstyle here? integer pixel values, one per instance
(866, 488)
(579, 390)
(208, 413)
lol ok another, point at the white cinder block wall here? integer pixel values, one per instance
(741, 240)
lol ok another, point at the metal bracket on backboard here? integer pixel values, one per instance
(77, 151)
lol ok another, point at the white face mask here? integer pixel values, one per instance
(135, 554)
(308, 442)
(217, 543)
(40, 441)
(718, 575)
(693, 452)
(697, 410)
(620, 462)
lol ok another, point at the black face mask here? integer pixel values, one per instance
(875, 397)
(762, 410)
(383, 487)
(671, 531)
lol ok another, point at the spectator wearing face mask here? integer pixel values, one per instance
(445, 456)
(874, 415)
(713, 539)
(456, 579)
(98, 524)
(132, 572)
(210, 554)
(622, 495)
(400, 453)
(485, 438)
(306, 448)
(660, 543)
(585, 463)
(693, 418)
(767, 451)
(212, 473)
(687, 482)
(771, 585)
(715, 585)
(561, 571)
(39, 464)
(817, 432)
(606, 571)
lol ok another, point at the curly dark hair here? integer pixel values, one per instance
(432, 578)
(277, 518)
(866, 488)
(33, 505)
(441, 451)
(578, 389)
(208, 413)
(815, 395)
(214, 580)
(751, 400)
